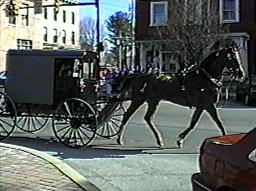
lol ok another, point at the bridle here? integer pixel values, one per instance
(233, 67)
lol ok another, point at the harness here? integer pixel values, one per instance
(198, 70)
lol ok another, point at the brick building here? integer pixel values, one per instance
(240, 16)
(45, 30)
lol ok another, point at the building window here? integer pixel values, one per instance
(55, 36)
(12, 19)
(55, 14)
(45, 13)
(158, 13)
(229, 11)
(73, 38)
(64, 16)
(73, 18)
(64, 37)
(24, 44)
(24, 15)
(45, 34)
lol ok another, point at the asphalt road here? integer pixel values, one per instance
(139, 164)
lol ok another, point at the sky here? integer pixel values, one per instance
(107, 8)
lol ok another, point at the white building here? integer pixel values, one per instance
(38, 31)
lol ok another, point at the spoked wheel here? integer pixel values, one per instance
(74, 123)
(8, 115)
(109, 125)
(30, 123)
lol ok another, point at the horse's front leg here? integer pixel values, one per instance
(196, 115)
(152, 105)
(135, 104)
(211, 109)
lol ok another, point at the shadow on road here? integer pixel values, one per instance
(57, 149)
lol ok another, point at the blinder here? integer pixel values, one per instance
(234, 62)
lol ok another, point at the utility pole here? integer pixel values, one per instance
(132, 38)
(98, 49)
(97, 21)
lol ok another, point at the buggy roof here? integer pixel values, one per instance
(55, 53)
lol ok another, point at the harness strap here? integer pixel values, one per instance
(216, 82)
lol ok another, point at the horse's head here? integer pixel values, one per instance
(233, 62)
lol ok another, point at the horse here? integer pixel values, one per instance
(196, 86)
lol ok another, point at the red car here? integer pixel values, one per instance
(227, 163)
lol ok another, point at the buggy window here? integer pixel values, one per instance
(89, 70)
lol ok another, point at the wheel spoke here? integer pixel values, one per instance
(117, 119)
(113, 129)
(84, 134)
(67, 109)
(38, 121)
(80, 137)
(67, 132)
(65, 127)
(103, 128)
(113, 122)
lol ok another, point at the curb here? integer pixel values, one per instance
(61, 166)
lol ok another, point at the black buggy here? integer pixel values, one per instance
(57, 87)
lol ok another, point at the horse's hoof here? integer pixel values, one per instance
(179, 143)
(160, 144)
(119, 141)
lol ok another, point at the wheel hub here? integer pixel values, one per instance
(76, 122)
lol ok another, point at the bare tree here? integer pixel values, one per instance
(88, 33)
(193, 26)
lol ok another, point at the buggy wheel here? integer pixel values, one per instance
(74, 123)
(31, 124)
(8, 115)
(111, 124)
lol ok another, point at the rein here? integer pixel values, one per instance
(198, 69)
(215, 81)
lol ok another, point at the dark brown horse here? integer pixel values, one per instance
(196, 86)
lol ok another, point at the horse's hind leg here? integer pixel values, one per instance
(135, 104)
(148, 117)
(196, 115)
(211, 109)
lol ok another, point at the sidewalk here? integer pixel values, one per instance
(24, 169)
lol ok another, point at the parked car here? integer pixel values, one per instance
(227, 163)
(2, 78)
(246, 93)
